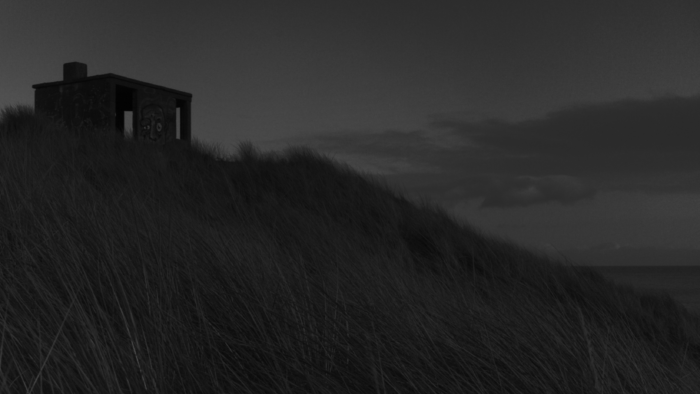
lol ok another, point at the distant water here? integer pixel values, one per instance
(681, 282)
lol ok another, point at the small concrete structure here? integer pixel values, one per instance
(101, 101)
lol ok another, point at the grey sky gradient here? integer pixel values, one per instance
(566, 125)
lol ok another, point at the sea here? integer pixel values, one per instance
(681, 282)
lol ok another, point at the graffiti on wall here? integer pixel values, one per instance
(75, 106)
(88, 111)
(100, 104)
(152, 123)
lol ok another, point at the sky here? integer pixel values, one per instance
(571, 127)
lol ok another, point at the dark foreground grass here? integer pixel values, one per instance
(130, 268)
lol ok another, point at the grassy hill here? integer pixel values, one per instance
(133, 268)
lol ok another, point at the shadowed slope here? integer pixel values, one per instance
(135, 268)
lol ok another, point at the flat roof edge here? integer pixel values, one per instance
(112, 76)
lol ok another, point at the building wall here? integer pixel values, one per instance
(155, 114)
(76, 105)
(98, 103)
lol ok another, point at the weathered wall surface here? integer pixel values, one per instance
(156, 113)
(76, 105)
(101, 102)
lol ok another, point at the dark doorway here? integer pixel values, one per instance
(183, 122)
(177, 123)
(125, 121)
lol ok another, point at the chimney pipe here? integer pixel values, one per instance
(73, 71)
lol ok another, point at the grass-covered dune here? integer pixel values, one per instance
(133, 268)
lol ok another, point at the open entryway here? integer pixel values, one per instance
(182, 120)
(125, 123)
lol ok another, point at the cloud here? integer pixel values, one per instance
(633, 256)
(605, 246)
(626, 136)
(528, 190)
(566, 156)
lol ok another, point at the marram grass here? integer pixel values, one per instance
(132, 268)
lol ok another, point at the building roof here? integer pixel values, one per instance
(113, 76)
